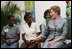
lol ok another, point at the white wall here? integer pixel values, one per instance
(41, 6)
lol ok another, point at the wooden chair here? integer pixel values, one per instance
(39, 44)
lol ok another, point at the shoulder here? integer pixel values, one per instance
(5, 27)
(23, 25)
(51, 20)
(34, 23)
(63, 19)
(44, 21)
(15, 25)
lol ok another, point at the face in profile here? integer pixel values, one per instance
(48, 15)
(53, 14)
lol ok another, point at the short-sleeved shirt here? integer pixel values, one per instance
(30, 32)
(10, 33)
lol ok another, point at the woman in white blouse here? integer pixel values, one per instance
(30, 31)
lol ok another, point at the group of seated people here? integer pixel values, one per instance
(56, 28)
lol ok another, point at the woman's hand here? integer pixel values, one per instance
(38, 38)
(50, 43)
(54, 41)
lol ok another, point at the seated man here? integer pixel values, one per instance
(10, 34)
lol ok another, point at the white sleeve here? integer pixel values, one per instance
(22, 29)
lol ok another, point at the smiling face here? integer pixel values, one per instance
(30, 19)
(53, 14)
(48, 15)
(55, 11)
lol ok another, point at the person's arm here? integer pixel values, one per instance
(42, 35)
(3, 34)
(17, 34)
(65, 29)
(38, 38)
(64, 32)
(63, 35)
(58, 39)
(43, 27)
(3, 39)
(39, 31)
(18, 37)
(24, 39)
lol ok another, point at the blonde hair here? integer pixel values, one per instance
(56, 8)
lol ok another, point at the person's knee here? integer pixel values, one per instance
(45, 46)
(15, 45)
(57, 45)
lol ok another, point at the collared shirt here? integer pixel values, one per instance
(10, 33)
(30, 32)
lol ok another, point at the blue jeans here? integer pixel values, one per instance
(14, 45)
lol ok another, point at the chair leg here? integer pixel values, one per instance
(38, 44)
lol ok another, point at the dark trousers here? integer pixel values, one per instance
(25, 45)
(67, 46)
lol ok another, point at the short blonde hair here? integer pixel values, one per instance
(56, 8)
